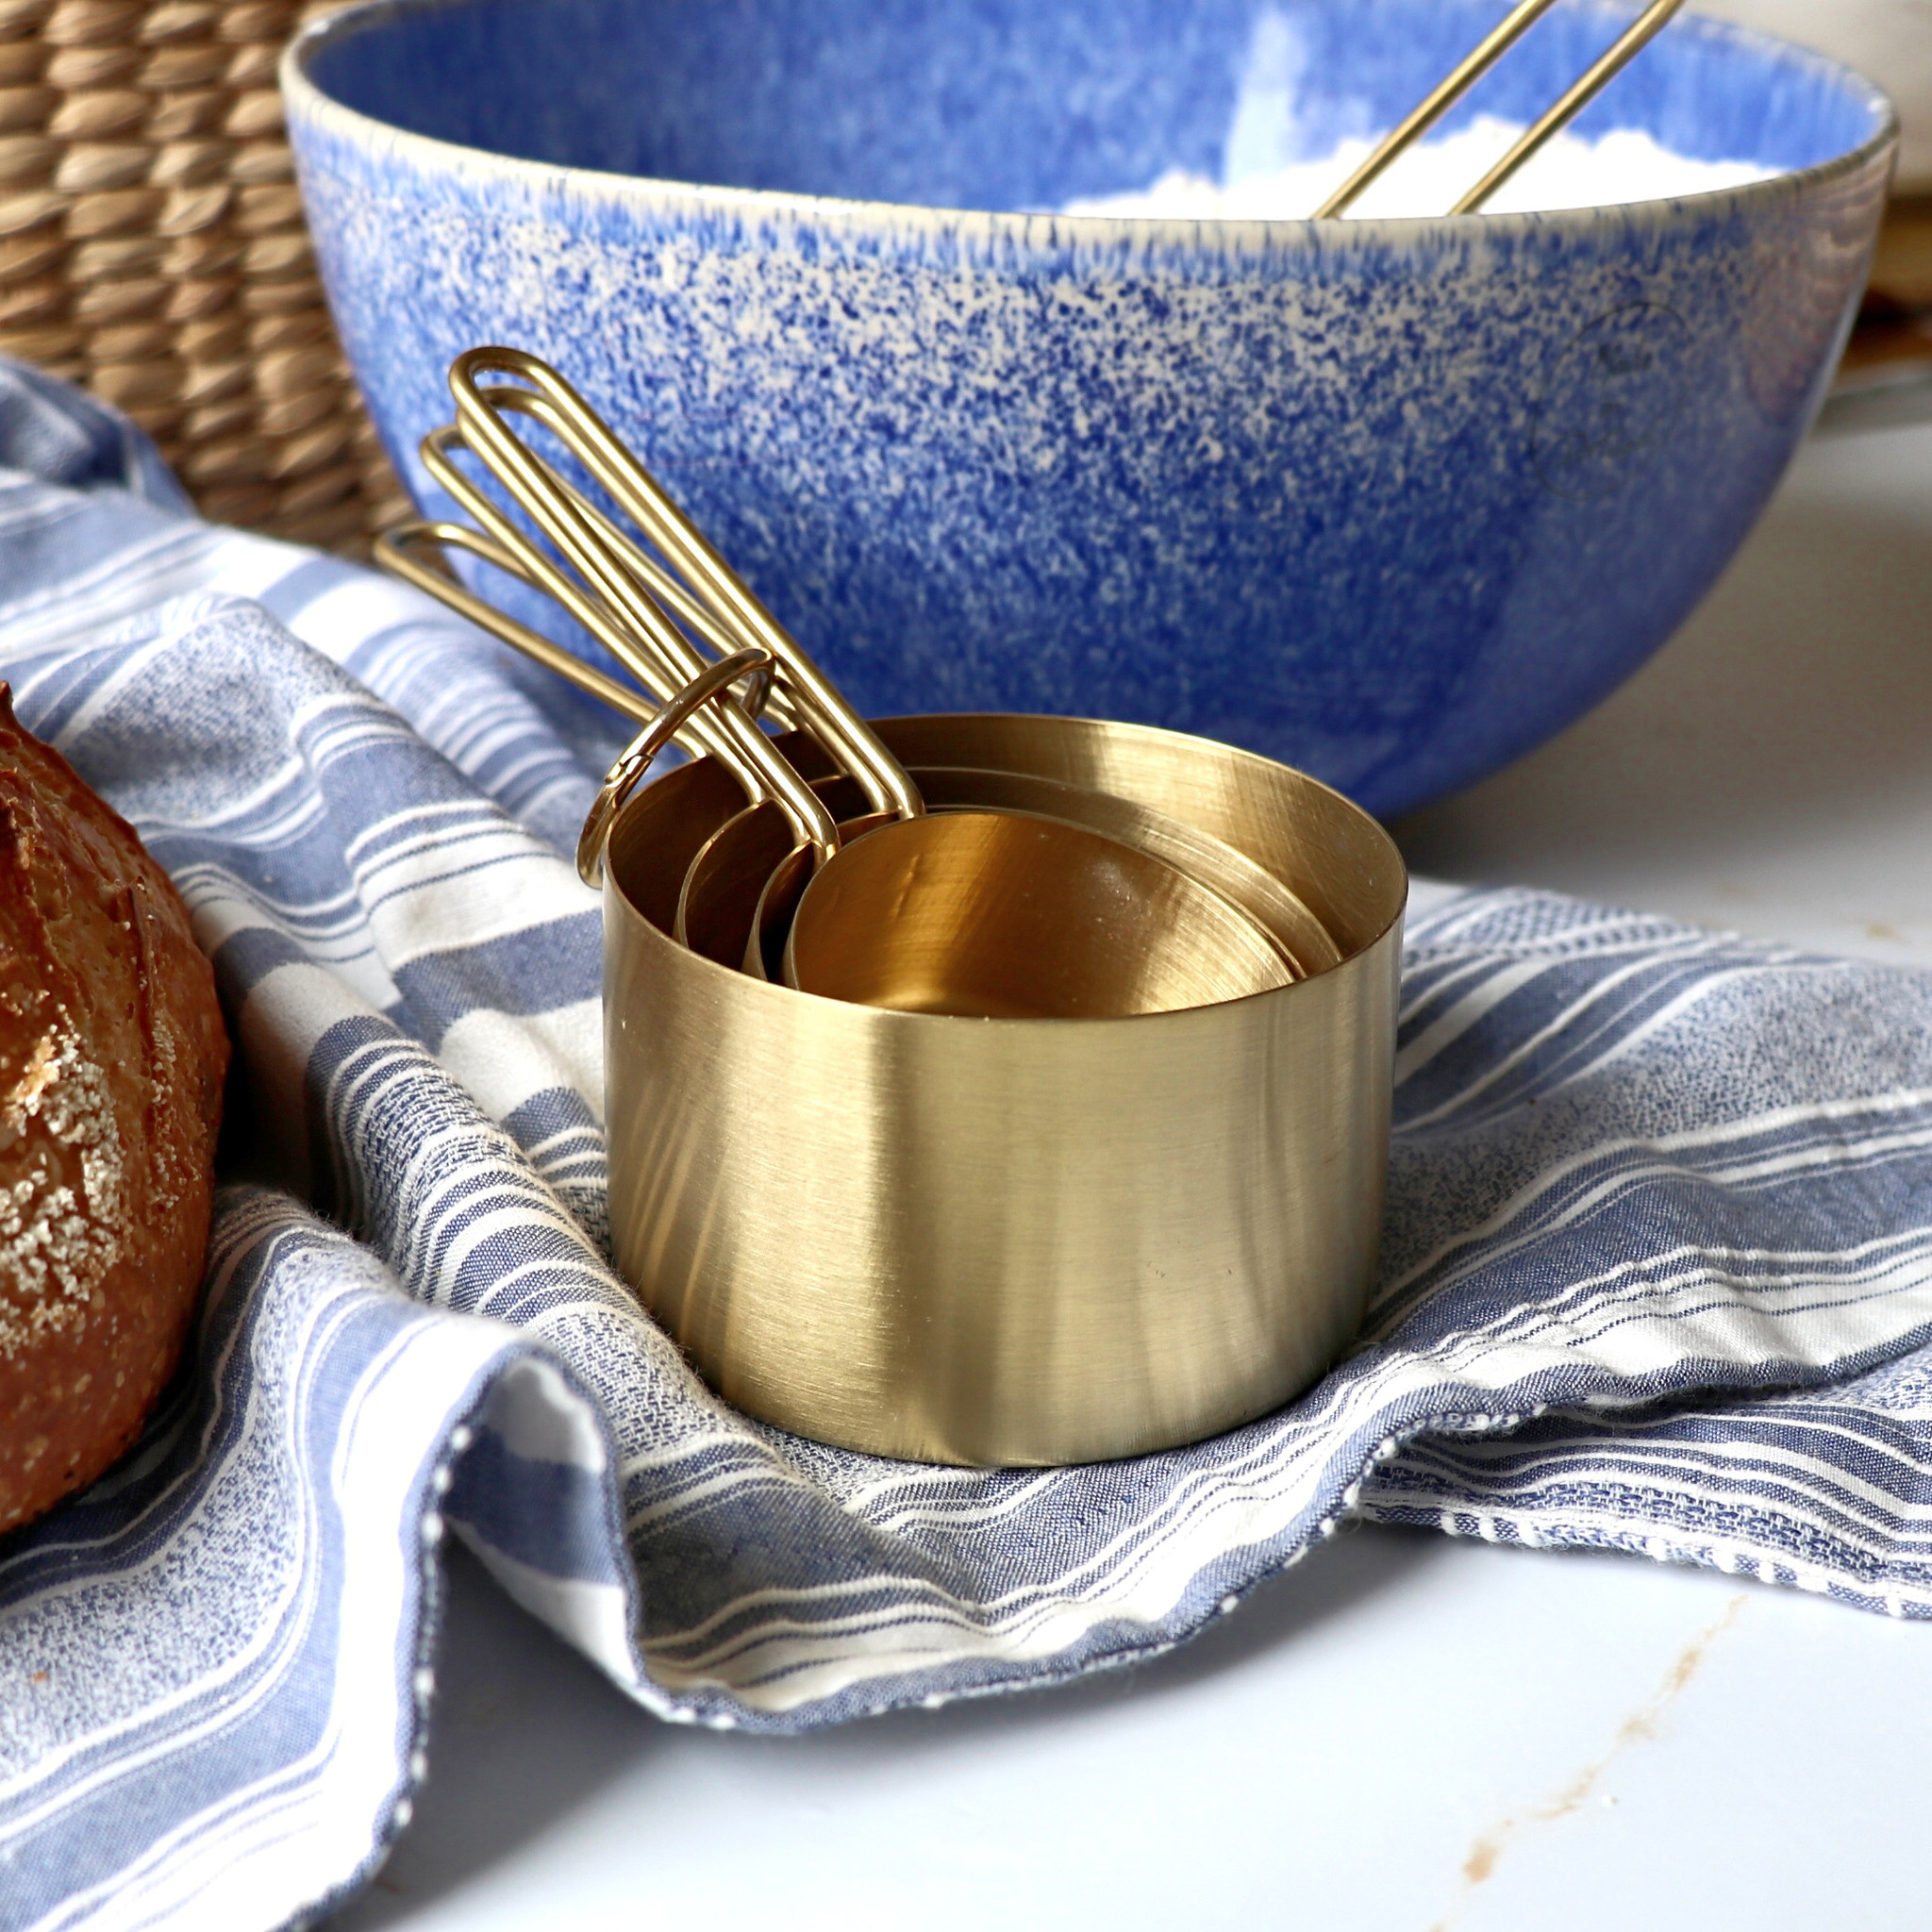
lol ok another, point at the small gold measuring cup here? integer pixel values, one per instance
(1132, 933)
(739, 905)
(741, 889)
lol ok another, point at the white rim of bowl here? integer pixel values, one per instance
(1046, 231)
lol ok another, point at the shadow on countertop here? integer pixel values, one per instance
(522, 1730)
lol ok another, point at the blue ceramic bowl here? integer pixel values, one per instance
(1392, 500)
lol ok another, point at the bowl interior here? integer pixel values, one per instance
(1010, 104)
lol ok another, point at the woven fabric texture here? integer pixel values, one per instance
(153, 248)
(1658, 1270)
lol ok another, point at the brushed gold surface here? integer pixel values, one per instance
(1302, 939)
(1009, 1241)
(1040, 913)
(1006, 916)
(728, 877)
(1328, 853)
(1013, 1238)
(719, 902)
(928, 896)
(667, 823)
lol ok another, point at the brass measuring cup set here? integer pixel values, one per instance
(981, 1089)
(984, 1089)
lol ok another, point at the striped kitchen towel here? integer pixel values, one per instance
(1658, 1270)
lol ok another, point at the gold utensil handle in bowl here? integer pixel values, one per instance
(1470, 68)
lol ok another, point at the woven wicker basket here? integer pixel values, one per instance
(152, 247)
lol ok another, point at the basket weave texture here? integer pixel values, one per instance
(152, 247)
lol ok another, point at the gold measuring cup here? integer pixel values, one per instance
(1145, 937)
(989, 920)
(1054, 906)
(1005, 1240)
(1008, 1240)
(713, 902)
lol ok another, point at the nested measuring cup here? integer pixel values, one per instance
(1007, 1240)
(725, 911)
(973, 912)
(711, 906)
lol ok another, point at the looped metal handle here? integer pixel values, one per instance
(598, 585)
(658, 615)
(638, 755)
(414, 553)
(619, 569)
(638, 636)
(401, 552)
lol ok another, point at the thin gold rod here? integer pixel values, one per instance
(515, 552)
(396, 551)
(1445, 95)
(683, 607)
(727, 596)
(563, 518)
(665, 588)
(544, 498)
(640, 496)
(617, 610)
(638, 755)
(1624, 49)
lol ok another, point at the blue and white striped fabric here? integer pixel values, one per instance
(1658, 1273)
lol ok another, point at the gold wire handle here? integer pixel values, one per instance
(663, 587)
(723, 730)
(638, 755)
(1470, 68)
(620, 572)
(656, 617)
(397, 551)
(717, 587)
(598, 588)
(502, 544)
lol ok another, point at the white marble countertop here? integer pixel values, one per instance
(1405, 1731)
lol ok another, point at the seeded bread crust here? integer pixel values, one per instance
(112, 1056)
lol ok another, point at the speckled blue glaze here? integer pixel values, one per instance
(1392, 500)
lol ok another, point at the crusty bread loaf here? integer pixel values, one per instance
(111, 1060)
